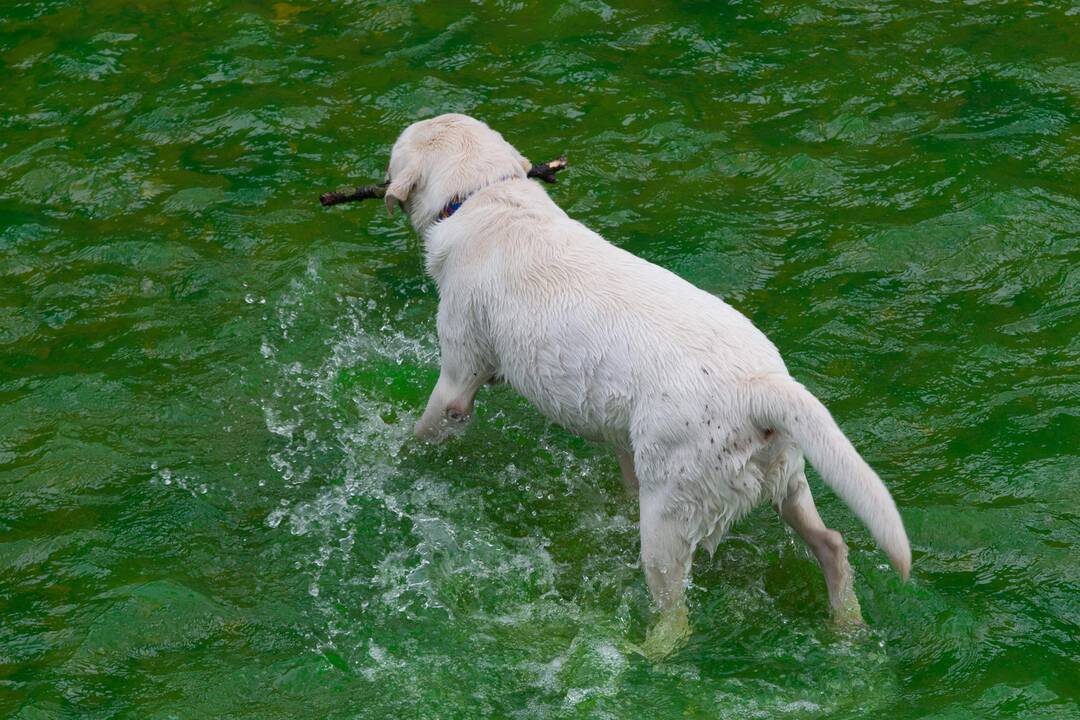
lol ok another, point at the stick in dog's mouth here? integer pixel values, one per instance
(544, 171)
(360, 193)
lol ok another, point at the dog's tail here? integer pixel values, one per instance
(777, 401)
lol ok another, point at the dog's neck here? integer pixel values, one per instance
(437, 245)
(455, 202)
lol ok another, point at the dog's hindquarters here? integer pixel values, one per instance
(779, 402)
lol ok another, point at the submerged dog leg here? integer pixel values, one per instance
(667, 634)
(798, 511)
(665, 558)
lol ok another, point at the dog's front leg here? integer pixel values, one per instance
(449, 409)
(465, 367)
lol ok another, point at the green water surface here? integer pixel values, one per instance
(211, 505)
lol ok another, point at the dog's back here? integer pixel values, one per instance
(580, 326)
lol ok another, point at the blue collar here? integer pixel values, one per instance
(451, 207)
(458, 200)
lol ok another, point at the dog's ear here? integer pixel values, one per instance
(400, 186)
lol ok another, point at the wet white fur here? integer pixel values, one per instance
(694, 398)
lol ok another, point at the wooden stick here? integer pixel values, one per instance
(360, 193)
(545, 171)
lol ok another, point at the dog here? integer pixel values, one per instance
(696, 402)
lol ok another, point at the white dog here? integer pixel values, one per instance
(704, 418)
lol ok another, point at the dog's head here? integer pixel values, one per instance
(446, 157)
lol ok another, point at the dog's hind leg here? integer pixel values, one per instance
(665, 557)
(798, 510)
(626, 468)
(665, 553)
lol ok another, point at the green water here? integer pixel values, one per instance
(210, 502)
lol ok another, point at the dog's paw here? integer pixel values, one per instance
(669, 633)
(844, 604)
(847, 615)
(440, 429)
